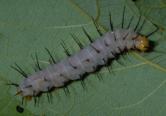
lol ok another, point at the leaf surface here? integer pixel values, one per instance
(136, 88)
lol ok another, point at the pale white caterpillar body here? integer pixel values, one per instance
(75, 67)
(105, 48)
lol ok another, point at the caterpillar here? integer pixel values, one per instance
(97, 54)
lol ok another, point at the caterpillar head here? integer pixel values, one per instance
(143, 43)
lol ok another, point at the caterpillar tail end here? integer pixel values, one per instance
(27, 98)
(18, 93)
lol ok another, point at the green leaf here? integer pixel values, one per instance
(136, 88)
(153, 11)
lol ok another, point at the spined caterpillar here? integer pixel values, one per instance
(97, 54)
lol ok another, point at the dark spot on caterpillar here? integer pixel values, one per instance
(87, 60)
(19, 109)
(98, 51)
(105, 43)
(104, 60)
(75, 67)
(45, 79)
(61, 75)
(28, 86)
